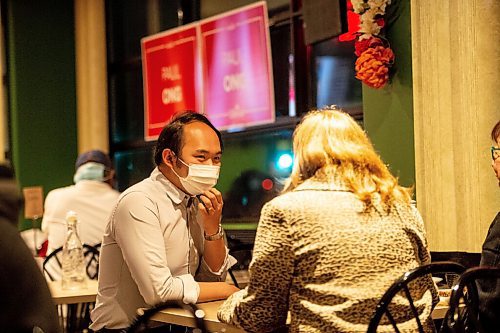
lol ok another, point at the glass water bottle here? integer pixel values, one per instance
(73, 261)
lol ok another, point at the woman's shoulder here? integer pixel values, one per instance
(407, 211)
(313, 195)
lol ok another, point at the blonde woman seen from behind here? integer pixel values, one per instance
(335, 240)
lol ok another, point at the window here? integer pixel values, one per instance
(304, 77)
(127, 22)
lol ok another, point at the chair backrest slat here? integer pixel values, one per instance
(400, 286)
(465, 317)
(392, 321)
(413, 308)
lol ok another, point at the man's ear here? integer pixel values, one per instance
(168, 157)
(109, 176)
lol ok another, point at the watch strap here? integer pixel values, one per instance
(218, 235)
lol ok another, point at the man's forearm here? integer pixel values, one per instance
(214, 254)
(211, 291)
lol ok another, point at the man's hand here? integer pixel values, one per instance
(210, 207)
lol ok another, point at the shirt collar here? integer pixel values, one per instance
(173, 192)
(87, 183)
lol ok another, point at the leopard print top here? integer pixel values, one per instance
(319, 258)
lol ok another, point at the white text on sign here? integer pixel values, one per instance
(171, 73)
(234, 82)
(231, 57)
(171, 95)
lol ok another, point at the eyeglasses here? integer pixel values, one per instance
(495, 153)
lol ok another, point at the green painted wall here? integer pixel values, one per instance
(41, 71)
(388, 113)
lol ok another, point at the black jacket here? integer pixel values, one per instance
(489, 291)
(25, 300)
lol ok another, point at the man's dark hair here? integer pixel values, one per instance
(172, 134)
(495, 132)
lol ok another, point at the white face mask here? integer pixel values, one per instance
(90, 171)
(200, 177)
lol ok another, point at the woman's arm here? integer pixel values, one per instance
(263, 305)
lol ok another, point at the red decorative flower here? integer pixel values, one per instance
(362, 45)
(375, 57)
(381, 22)
(372, 66)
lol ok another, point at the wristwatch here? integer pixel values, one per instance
(218, 235)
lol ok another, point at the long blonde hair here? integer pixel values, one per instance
(330, 141)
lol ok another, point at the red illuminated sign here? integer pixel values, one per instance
(236, 63)
(231, 82)
(169, 74)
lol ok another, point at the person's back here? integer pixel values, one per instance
(343, 259)
(92, 198)
(26, 303)
(329, 247)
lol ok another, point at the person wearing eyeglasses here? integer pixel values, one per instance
(489, 291)
(495, 151)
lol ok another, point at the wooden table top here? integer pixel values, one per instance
(61, 296)
(172, 315)
(185, 318)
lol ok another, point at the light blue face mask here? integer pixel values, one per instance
(90, 171)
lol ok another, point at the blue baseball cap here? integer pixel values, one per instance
(96, 156)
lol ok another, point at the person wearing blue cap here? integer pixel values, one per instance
(92, 197)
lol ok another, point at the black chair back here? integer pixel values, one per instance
(142, 322)
(242, 252)
(467, 259)
(464, 314)
(401, 286)
(75, 317)
(91, 254)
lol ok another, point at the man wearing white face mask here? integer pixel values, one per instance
(164, 240)
(92, 198)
